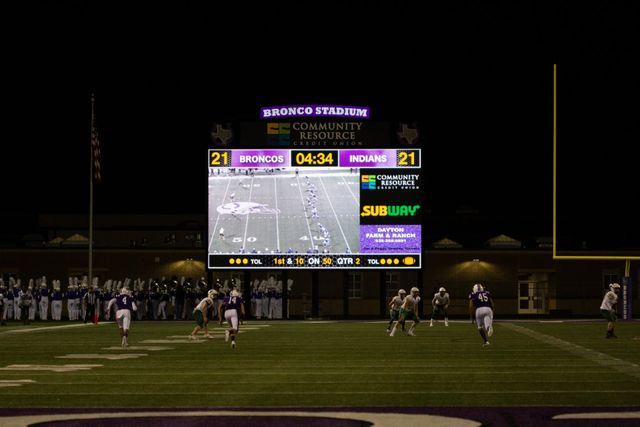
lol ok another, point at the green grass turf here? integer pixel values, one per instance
(324, 364)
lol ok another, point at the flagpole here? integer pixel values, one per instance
(91, 148)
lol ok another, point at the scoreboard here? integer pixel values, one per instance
(280, 158)
(315, 208)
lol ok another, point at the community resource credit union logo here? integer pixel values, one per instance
(278, 133)
(368, 182)
(390, 182)
(389, 210)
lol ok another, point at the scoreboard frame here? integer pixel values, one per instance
(403, 159)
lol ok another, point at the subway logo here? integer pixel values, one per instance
(389, 210)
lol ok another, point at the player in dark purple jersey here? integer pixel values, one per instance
(124, 306)
(481, 308)
(233, 305)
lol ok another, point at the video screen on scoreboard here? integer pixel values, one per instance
(335, 208)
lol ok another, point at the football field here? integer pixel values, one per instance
(319, 364)
(275, 212)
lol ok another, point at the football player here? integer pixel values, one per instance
(440, 303)
(481, 308)
(394, 307)
(200, 315)
(125, 305)
(408, 311)
(233, 305)
(608, 308)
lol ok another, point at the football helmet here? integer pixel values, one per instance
(477, 288)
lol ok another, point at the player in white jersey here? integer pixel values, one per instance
(394, 307)
(440, 303)
(408, 311)
(200, 314)
(608, 308)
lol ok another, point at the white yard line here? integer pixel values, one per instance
(215, 227)
(275, 192)
(334, 214)
(603, 359)
(48, 328)
(304, 211)
(355, 199)
(246, 225)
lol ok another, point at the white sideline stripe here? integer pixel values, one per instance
(215, 227)
(47, 328)
(185, 341)
(632, 415)
(334, 214)
(603, 359)
(313, 393)
(102, 356)
(306, 373)
(146, 383)
(375, 419)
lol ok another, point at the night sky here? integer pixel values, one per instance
(478, 79)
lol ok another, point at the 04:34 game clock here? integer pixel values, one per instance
(314, 158)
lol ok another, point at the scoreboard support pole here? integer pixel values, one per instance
(285, 295)
(345, 295)
(383, 292)
(315, 292)
(420, 286)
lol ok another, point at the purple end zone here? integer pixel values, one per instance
(219, 421)
(488, 416)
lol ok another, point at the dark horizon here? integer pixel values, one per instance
(481, 90)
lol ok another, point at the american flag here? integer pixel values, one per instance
(95, 144)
